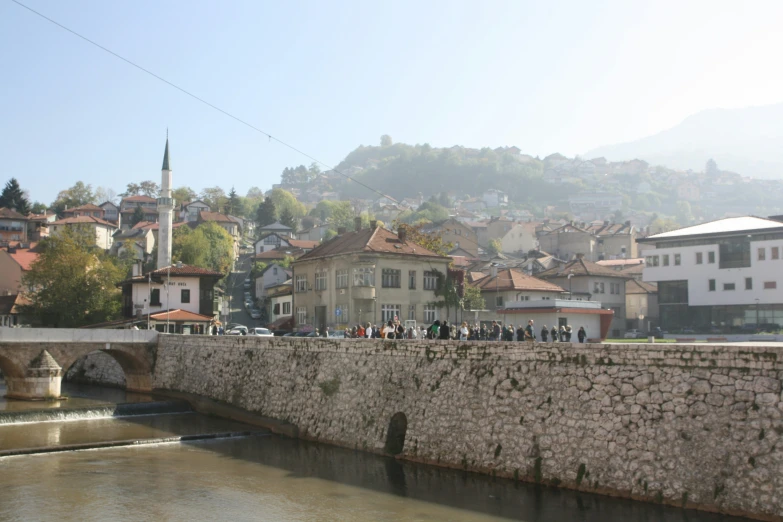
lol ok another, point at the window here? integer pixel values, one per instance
(364, 276)
(729, 286)
(430, 280)
(711, 257)
(699, 258)
(596, 288)
(411, 279)
(272, 240)
(184, 296)
(320, 280)
(762, 254)
(665, 259)
(286, 308)
(276, 309)
(341, 278)
(412, 312)
(734, 253)
(390, 278)
(301, 315)
(301, 283)
(652, 260)
(748, 283)
(677, 259)
(498, 301)
(274, 270)
(155, 297)
(389, 311)
(430, 314)
(712, 285)
(774, 253)
(770, 285)
(602, 288)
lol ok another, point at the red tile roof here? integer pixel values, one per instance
(632, 286)
(305, 244)
(83, 219)
(580, 267)
(9, 213)
(180, 315)
(140, 199)
(513, 279)
(88, 206)
(279, 253)
(24, 258)
(9, 303)
(368, 240)
(185, 270)
(206, 215)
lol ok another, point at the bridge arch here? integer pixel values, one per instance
(11, 369)
(135, 366)
(395, 435)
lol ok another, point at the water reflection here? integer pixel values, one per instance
(79, 396)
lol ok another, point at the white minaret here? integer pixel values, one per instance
(165, 208)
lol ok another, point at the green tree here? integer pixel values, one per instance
(232, 203)
(183, 194)
(495, 246)
(149, 188)
(208, 246)
(103, 194)
(287, 218)
(285, 200)
(386, 141)
(684, 213)
(137, 216)
(215, 197)
(38, 208)
(266, 214)
(255, 193)
(711, 168)
(471, 298)
(430, 240)
(72, 283)
(13, 197)
(77, 195)
(132, 189)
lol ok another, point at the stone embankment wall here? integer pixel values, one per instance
(691, 425)
(96, 368)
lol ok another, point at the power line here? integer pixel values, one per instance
(197, 98)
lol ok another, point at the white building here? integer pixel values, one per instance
(272, 275)
(719, 276)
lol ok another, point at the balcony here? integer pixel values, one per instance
(363, 292)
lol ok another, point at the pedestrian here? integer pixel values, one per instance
(400, 331)
(376, 332)
(482, 333)
(530, 333)
(544, 334)
(568, 333)
(520, 333)
(562, 334)
(581, 334)
(388, 331)
(495, 331)
(444, 332)
(464, 332)
(554, 334)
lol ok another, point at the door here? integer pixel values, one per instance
(320, 318)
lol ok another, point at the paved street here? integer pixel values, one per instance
(238, 313)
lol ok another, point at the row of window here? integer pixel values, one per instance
(365, 276)
(761, 252)
(388, 313)
(774, 253)
(768, 285)
(599, 288)
(664, 259)
(184, 297)
(286, 308)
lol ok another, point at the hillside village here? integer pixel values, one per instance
(567, 230)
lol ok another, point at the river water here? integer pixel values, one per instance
(259, 476)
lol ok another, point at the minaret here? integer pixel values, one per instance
(165, 208)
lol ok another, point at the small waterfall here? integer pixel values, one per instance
(97, 412)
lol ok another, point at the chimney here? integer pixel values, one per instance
(493, 271)
(373, 224)
(179, 264)
(340, 231)
(358, 223)
(402, 233)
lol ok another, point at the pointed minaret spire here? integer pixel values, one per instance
(166, 153)
(165, 208)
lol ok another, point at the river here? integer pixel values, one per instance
(250, 474)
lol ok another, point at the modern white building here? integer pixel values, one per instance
(719, 276)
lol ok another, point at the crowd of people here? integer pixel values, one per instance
(496, 331)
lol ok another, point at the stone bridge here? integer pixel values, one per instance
(33, 361)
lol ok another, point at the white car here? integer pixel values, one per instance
(634, 334)
(238, 330)
(255, 313)
(260, 332)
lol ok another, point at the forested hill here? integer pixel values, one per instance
(401, 170)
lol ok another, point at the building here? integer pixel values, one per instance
(276, 228)
(101, 230)
(272, 275)
(587, 281)
(128, 206)
(641, 305)
(367, 275)
(140, 240)
(460, 235)
(599, 241)
(11, 310)
(38, 225)
(85, 210)
(280, 300)
(277, 241)
(521, 237)
(14, 262)
(190, 210)
(494, 198)
(165, 207)
(719, 276)
(111, 212)
(510, 285)
(561, 312)
(595, 203)
(316, 233)
(13, 225)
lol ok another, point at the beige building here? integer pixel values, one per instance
(512, 285)
(596, 242)
(458, 234)
(13, 225)
(586, 281)
(102, 230)
(521, 237)
(367, 275)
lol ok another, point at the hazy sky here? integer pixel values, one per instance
(329, 76)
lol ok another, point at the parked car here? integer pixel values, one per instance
(634, 334)
(238, 330)
(246, 284)
(255, 313)
(260, 332)
(248, 296)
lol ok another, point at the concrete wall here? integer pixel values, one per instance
(687, 425)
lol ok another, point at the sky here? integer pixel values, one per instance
(326, 77)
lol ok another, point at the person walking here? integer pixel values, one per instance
(445, 331)
(554, 334)
(562, 334)
(568, 333)
(530, 333)
(520, 333)
(482, 332)
(464, 332)
(581, 334)
(495, 331)
(388, 331)
(544, 334)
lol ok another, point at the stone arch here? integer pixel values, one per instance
(10, 368)
(96, 367)
(395, 435)
(137, 370)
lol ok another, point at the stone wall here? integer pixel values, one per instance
(96, 368)
(695, 425)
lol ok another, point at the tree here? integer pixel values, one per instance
(184, 194)
(208, 246)
(149, 188)
(79, 194)
(386, 141)
(684, 214)
(12, 197)
(233, 204)
(471, 298)
(137, 217)
(495, 246)
(132, 189)
(711, 168)
(429, 240)
(284, 199)
(266, 214)
(254, 193)
(38, 208)
(72, 283)
(215, 197)
(288, 219)
(103, 194)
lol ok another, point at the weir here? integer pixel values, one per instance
(695, 426)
